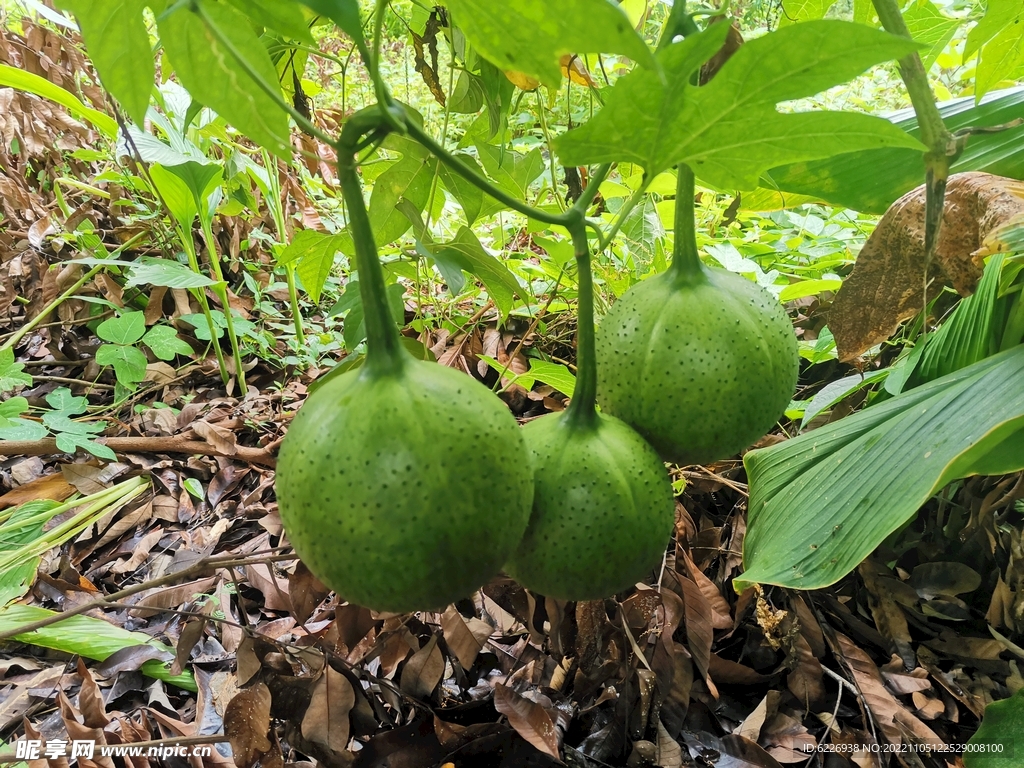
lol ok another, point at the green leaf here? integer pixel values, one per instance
(194, 488)
(822, 502)
(201, 179)
(351, 301)
(214, 77)
(928, 25)
(40, 86)
(123, 329)
(999, 14)
(465, 252)
(282, 16)
(170, 274)
(552, 374)
(129, 363)
(315, 253)
(409, 178)
(852, 180)
(70, 442)
(836, 391)
(808, 288)
(89, 637)
(176, 194)
(729, 131)
(62, 401)
(164, 342)
(1002, 55)
(803, 10)
(10, 411)
(993, 745)
(12, 374)
(23, 429)
(344, 13)
(526, 36)
(118, 44)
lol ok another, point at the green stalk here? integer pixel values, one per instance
(38, 319)
(679, 22)
(204, 304)
(582, 412)
(221, 289)
(934, 133)
(95, 505)
(384, 352)
(686, 264)
(277, 213)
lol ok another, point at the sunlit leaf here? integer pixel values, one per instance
(730, 131)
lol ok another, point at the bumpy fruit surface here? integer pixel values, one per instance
(405, 491)
(603, 509)
(701, 364)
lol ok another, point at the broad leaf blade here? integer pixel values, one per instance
(852, 179)
(822, 502)
(526, 36)
(467, 253)
(730, 131)
(213, 76)
(40, 86)
(118, 45)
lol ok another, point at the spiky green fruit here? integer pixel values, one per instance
(404, 491)
(702, 364)
(603, 509)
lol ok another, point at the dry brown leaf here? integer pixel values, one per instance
(892, 717)
(220, 438)
(804, 681)
(423, 671)
(90, 700)
(464, 637)
(530, 719)
(130, 659)
(246, 723)
(721, 613)
(670, 754)
(751, 727)
(699, 631)
(305, 592)
(326, 721)
(886, 285)
(191, 634)
(53, 487)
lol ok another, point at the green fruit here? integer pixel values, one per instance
(404, 490)
(603, 509)
(702, 362)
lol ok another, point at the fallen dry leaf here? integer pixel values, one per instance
(886, 285)
(246, 723)
(530, 719)
(326, 721)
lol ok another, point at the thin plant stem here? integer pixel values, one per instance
(36, 321)
(221, 289)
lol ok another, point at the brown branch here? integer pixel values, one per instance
(173, 444)
(208, 564)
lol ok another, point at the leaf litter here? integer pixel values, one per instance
(192, 621)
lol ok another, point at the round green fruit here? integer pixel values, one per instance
(603, 509)
(701, 363)
(406, 490)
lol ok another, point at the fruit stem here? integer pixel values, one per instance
(384, 352)
(582, 411)
(686, 261)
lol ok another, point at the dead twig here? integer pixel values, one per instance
(173, 444)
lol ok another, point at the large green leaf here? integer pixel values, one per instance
(928, 25)
(315, 252)
(410, 179)
(118, 44)
(853, 179)
(730, 131)
(40, 86)
(210, 72)
(997, 743)
(1000, 38)
(92, 638)
(822, 502)
(466, 253)
(529, 36)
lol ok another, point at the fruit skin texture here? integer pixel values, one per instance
(603, 509)
(701, 364)
(404, 491)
